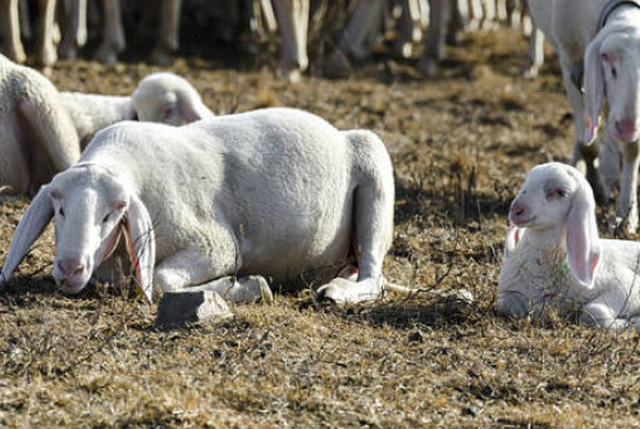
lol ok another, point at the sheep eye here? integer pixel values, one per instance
(614, 73)
(61, 211)
(106, 218)
(556, 193)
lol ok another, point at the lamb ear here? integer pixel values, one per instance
(141, 244)
(193, 110)
(593, 87)
(583, 244)
(132, 114)
(30, 227)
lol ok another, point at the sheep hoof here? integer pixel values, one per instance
(183, 307)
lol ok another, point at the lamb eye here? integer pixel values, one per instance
(61, 211)
(106, 218)
(614, 73)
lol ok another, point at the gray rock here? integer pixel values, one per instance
(180, 308)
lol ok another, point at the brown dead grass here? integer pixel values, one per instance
(461, 144)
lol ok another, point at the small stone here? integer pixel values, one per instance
(470, 411)
(180, 308)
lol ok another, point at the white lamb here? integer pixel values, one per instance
(160, 97)
(602, 35)
(278, 193)
(37, 136)
(553, 256)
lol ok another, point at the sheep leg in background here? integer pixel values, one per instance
(364, 24)
(75, 28)
(47, 54)
(409, 31)
(12, 43)
(169, 37)
(113, 40)
(434, 43)
(501, 10)
(536, 53)
(609, 168)
(293, 20)
(628, 200)
(582, 153)
(25, 23)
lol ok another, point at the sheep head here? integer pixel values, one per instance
(557, 197)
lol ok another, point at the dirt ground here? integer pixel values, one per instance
(461, 144)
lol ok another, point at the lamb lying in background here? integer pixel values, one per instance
(160, 97)
(553, 256)
(37, 136)
(278, 193)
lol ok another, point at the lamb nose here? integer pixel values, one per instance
(517, 209)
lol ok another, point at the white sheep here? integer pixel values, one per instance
(554, 257)
(37, 136)
(602, 35)
(278, 193)
(160, 97)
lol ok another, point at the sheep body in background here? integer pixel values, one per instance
(37, 136)
(276, 192)
(554, 257)
(160, 97)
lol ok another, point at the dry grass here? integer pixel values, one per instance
(460, 145)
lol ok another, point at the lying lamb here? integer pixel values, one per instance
(278, 193)
(602, 35)
(37, 136)
(553, 256)
(161, 97)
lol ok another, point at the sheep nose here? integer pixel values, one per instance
(626, 129)
(516, 210)
(71, 268)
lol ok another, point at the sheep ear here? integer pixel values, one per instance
(30, 227)
(514, 235)
(593, 87)
(132, 114)
(193, 110)
(141, 244)
(583, 244)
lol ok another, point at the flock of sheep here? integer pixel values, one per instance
(224, 203)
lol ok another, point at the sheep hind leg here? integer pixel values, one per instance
(373, 224)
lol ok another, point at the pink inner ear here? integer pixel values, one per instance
(516, 236)
(594, 263)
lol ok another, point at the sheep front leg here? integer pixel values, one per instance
(628, 204)
(609, 168)
(581, 151)
(196, 270)
(599, 314)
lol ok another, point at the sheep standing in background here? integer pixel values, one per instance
(46, 47)
(37, 136)
(554, 257)
(277, 193)
(601, 38)
(161, 97)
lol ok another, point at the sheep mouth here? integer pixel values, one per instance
(521, 222)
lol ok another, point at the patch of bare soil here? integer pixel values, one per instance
(461, 144)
